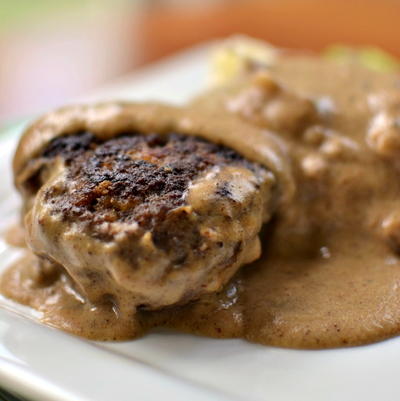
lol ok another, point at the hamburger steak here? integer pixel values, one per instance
(164, 218)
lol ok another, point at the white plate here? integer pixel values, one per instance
(45, 364)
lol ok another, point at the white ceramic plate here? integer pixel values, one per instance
(44, 364)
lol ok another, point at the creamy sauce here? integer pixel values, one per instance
(15, 236)
(329, 274)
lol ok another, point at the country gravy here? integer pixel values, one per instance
(329, 274)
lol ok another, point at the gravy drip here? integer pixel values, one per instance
(329, 275)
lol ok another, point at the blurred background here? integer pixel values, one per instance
(53, 51)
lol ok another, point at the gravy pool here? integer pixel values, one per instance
(329, 275)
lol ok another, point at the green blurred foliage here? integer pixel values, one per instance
(17, 13)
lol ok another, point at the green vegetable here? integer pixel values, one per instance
(369, 56)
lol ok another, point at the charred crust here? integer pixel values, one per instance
(223, 190)
(70, 146)
(135, 178)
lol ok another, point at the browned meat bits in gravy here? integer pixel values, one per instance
(266, 209)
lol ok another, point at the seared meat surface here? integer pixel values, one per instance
(165, 217)
(132, 178)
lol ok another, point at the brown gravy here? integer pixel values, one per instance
(15, 236)
(329, 275)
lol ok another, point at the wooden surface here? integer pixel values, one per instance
(310, 24)
(47, 65)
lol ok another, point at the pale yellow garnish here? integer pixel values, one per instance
(238, 55)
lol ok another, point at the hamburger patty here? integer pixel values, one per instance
(134, 178)
(165, 217)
